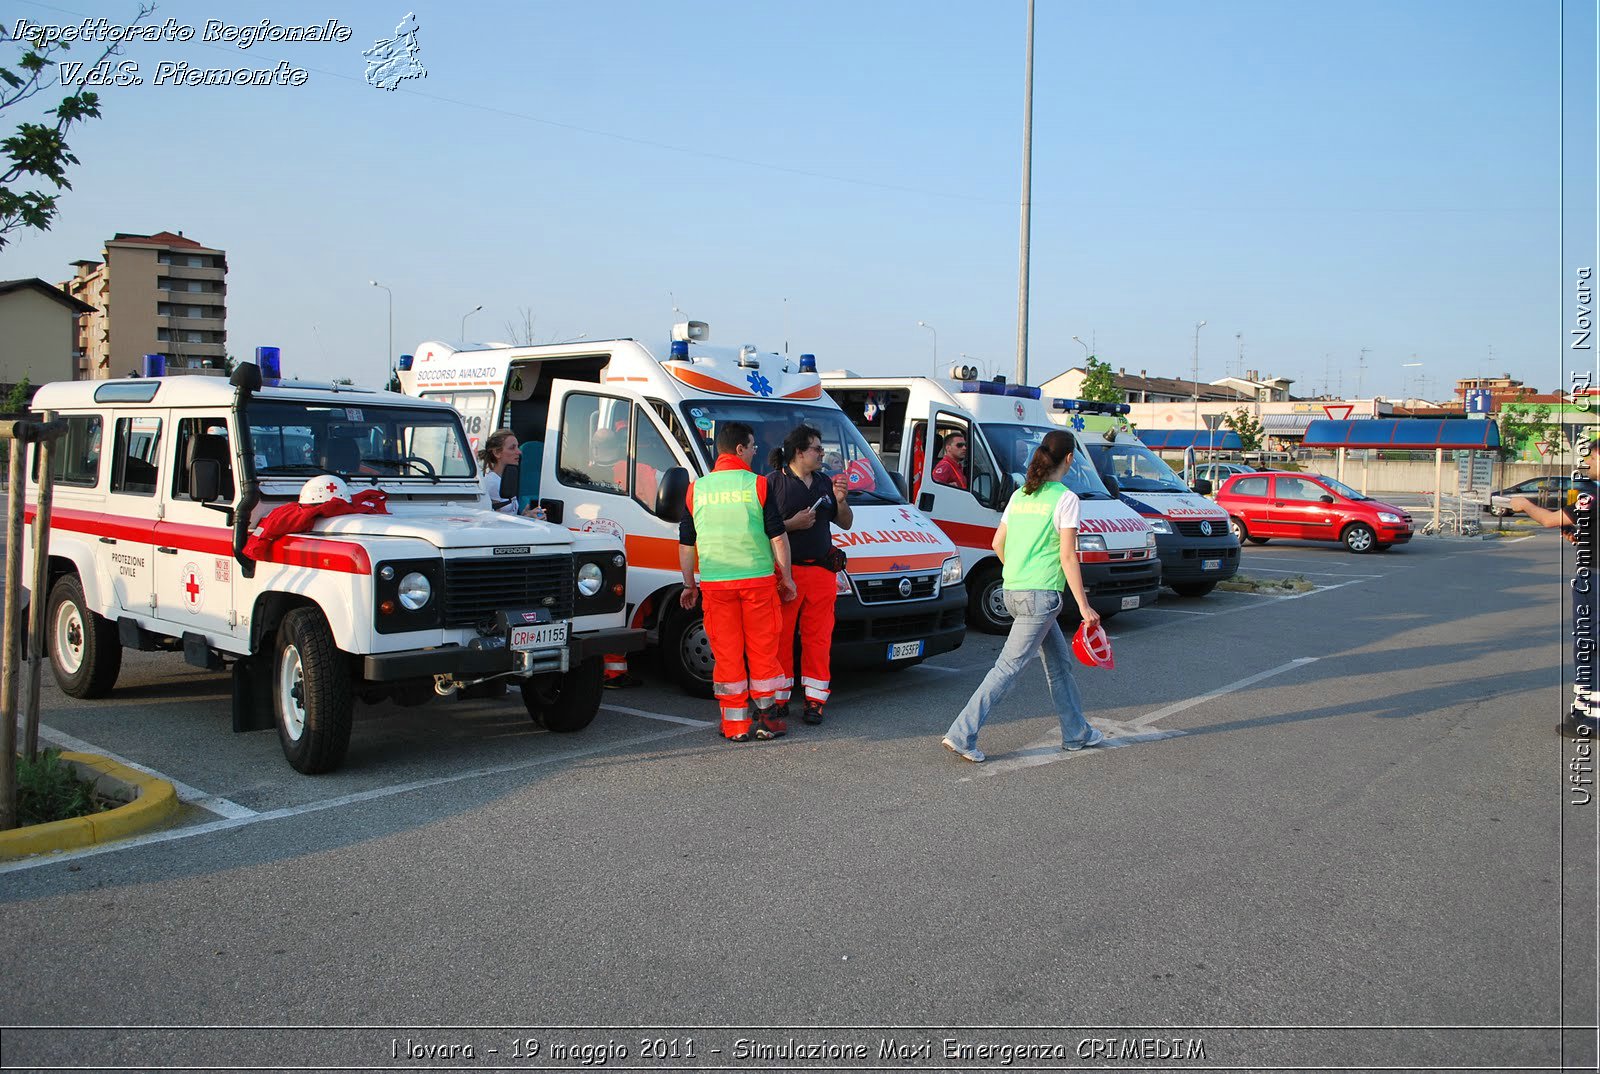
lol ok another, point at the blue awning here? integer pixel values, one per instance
(1404, 434)
(1199, 439)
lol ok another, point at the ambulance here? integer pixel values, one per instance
(161, 483)
(1197, 546)
(1002, 424)
(611, 434)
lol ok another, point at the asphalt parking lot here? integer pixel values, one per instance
(1338, 809)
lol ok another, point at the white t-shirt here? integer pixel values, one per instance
(491, 485)
(1066, 513)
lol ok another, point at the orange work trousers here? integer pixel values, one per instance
(812, 610)
(742, 626)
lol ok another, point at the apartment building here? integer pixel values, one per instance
(152, 294)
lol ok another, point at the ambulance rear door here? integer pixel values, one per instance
(606, 449)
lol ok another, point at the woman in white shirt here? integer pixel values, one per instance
(499, 451)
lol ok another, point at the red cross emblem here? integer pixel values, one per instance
(332, 488)
(191, 586)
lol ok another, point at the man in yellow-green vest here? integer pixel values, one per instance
(732, 533)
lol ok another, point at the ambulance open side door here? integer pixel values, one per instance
(608, 458)
(982, 478)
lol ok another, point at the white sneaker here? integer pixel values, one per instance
(1096, 736)
(975, 755)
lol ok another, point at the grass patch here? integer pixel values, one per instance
(49, 789)
(1247, 583)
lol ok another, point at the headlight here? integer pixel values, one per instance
(1150, 538)
(1092, 542)
(1392, 519)
(415, 591)
(590, 579)
(951, 574)
(1160, 525)
(841, 585)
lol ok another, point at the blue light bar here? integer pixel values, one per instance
(808, 363)
(405, 361)
(155, 365)
(270, 362)
(1068, 404)
(983, 387)
(680, 351)
(1022, 391)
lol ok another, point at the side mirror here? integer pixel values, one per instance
(983, 487)
(671, 491)
(1202, 486)
(510, 480)
(899, 480)
(1111, 484)
(205, 480)
(1325, 498)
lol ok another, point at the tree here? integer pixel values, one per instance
(1524, 426)
(20, 395)
(38, 151)
(1098, 386)
(1249, 429)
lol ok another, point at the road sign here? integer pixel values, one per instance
(1214, 421)
(1338, 411)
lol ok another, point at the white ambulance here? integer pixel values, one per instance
(610, 435)
(158, 483)
(1001, 424)
(1197, 546)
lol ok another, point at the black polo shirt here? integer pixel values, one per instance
(793, 495)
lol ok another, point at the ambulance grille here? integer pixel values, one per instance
(474, 589)
(1192, 529)
(886, 590)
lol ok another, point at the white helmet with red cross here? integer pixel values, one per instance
(324, 487)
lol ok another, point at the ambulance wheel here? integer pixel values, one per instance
(1193, 589)
(986, 606)
(686, 652)
(311, 693)
(85, 654)
(566, 703)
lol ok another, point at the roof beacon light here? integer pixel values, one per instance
(692, 331)
(406, 361)
(155, 365)
(680, 351)
(1022, 391)
(747, 357)
(808, 363)
(270, 361)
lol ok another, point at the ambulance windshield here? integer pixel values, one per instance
(1013, 446)
(1136, 467)
(380, 443)
(843, 450)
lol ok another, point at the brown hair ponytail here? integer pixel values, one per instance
(1053, 450)
(491, 446)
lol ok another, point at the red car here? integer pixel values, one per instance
(1310, 507)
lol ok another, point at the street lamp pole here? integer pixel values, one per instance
(1196, 370)
(464, 317)
(1027, 201)
(935, 331)
(388, 358)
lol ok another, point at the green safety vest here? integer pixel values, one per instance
(730, 533)
(1033, 544)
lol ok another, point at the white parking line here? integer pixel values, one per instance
(659, 716)
(1287, 570)
(192, 795)
(227, 824)
(1178, 706)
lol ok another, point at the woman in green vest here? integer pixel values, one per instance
(1037, 543)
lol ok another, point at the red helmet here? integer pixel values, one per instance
(1092, 647)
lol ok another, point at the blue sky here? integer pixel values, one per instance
(1309, 179)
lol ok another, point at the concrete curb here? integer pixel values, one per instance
(150, 801)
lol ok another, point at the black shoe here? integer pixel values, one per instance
(812, 713)
(625, 681)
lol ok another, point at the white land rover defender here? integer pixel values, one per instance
(159, 481)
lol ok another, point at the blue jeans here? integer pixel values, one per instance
(1034, 630)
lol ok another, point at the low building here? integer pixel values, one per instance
(39, 339)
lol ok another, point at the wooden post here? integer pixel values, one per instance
(39, 595)
(13, 629)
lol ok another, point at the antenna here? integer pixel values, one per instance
(1361, 369)
(1239, 338)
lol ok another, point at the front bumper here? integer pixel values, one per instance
(1183, 559)
(468, 663)
(1393, 535)
(863, 634)
(1110, 585)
